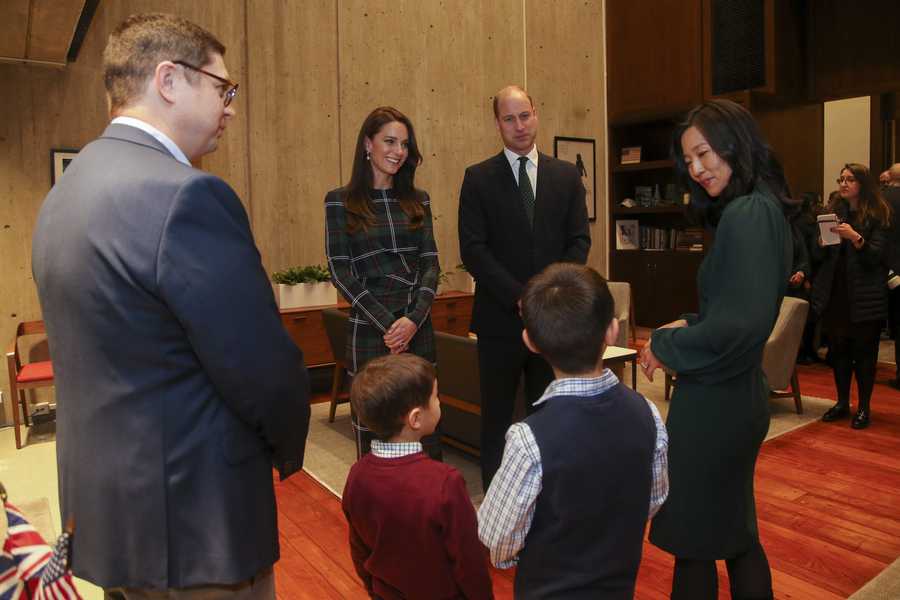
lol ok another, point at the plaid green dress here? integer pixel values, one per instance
(385, 272)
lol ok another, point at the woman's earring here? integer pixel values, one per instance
(367, 155)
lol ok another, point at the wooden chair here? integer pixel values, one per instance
(460, 390)
(25, 376)
(780, 354)
(336, 328)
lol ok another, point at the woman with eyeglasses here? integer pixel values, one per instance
(850, 290)
(719, 412)
(381, 250)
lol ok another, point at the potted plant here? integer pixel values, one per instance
(304, 286)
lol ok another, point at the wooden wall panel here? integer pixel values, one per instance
(566, 82)
(796, 134)
(12, 35)
(440, 66)
(294, 134)
(309, 74)
(52, 27)
(66, 108)
(854, 48)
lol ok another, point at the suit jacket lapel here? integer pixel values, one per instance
(542, 199)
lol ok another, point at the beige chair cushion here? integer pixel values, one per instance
(621, 293)
(780, 354)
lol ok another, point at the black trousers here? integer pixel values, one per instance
(854, 356)
(501, 363)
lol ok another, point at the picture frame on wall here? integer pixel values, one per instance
(59, 161)
(581, 152)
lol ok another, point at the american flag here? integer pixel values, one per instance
(29, 568)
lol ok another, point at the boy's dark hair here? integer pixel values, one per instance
(566, 309)
(387, 388)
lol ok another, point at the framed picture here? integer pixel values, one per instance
(631, 155)
(59, 160)
(580, 152)
(628, 234)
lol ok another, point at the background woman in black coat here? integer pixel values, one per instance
(850, 289)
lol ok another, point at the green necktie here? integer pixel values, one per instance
(525, 190)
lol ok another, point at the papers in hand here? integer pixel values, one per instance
(826, 222)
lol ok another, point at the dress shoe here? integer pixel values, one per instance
(861, 420)
(838, 411)
(895, 383)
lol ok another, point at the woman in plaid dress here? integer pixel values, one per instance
(380, 247)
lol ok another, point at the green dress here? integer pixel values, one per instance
(719, 415)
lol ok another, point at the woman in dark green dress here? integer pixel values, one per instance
(719, 415)
(381, 250)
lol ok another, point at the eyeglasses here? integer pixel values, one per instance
(231, 89)
(848, 179)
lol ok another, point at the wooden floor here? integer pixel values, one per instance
(828, 501)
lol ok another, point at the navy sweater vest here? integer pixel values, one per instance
(586, 537)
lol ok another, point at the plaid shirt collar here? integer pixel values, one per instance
(395, 449)
(579, 386)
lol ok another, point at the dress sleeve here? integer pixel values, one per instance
(429, 268)
(339, 254)
(743, 285)
(468, 557)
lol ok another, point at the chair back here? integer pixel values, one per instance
(621, 293)
(336, 328)
(459, 386)
(780, 354)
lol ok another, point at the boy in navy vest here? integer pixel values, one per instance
(413, 531)
(581, 476)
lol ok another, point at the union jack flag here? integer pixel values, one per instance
(29, 568)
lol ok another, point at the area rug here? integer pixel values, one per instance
(884, 587)
(330, 449)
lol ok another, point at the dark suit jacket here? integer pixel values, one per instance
(892, 252)
(500, 249)
(177, 385)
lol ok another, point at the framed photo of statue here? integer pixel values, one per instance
(581, 153)
(59, 160)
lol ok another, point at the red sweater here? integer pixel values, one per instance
(413, 530)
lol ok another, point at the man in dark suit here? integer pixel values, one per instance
(891, 193)
(178, 387)
(519, 211)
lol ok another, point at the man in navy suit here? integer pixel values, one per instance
(519, 211)
(178, 387)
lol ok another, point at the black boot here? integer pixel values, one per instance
(838, 411)
(861, 420)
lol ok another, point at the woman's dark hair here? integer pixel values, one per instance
(734, 135)
(357, 202)
(872, 204)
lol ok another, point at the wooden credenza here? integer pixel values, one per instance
(451, 312)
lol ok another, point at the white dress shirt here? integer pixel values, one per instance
(165, 140)
(530, 166)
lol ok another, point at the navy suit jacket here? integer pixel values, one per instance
(501, 250)
(178, 388)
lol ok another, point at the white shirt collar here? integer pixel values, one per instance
(165, 140)
(513, 158)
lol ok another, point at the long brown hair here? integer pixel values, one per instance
(872, 204)
(357, 202)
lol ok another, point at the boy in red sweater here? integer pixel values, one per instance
(413, 531)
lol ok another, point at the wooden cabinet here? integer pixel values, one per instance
(663, 283)
(451, 312)
(306, 328)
